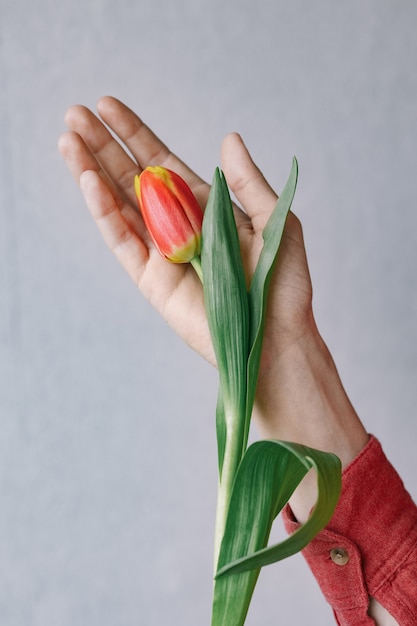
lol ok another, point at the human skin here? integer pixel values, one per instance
(300, 396)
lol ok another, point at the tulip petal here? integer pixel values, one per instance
(171, 213)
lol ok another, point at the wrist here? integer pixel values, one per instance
(301, 398)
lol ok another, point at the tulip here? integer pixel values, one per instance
(255, 481)
(171, 214)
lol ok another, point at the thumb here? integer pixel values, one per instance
(247, 181)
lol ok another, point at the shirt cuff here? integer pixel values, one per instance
(371, 534)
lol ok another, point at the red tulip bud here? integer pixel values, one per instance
(171, 213)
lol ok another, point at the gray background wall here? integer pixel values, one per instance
(95, 389)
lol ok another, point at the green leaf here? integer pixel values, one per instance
(221, 430)
(259, 288)
(252, 484)
(226, 303)
(269, 473)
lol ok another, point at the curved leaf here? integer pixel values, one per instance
(252, 480)
(258, 291)
(269, 473)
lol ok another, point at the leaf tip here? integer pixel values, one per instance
(295, 165)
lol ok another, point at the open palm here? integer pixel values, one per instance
(105, 172)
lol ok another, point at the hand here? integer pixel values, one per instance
(105, 172)
(300, 397)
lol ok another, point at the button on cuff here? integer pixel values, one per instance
(340, 556)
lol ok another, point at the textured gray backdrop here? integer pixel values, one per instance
(95, 389)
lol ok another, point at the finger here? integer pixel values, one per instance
(80, 159)
(247, 181)
(116, 231)
(146, 147)
(113, 159)
(173, 289)
(77, 155)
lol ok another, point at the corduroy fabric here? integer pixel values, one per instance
(375, 522)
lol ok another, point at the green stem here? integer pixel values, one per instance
(196, 263)
(232, 456)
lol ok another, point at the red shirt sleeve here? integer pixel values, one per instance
(369, 547)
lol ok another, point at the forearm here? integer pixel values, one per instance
(301, 398)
